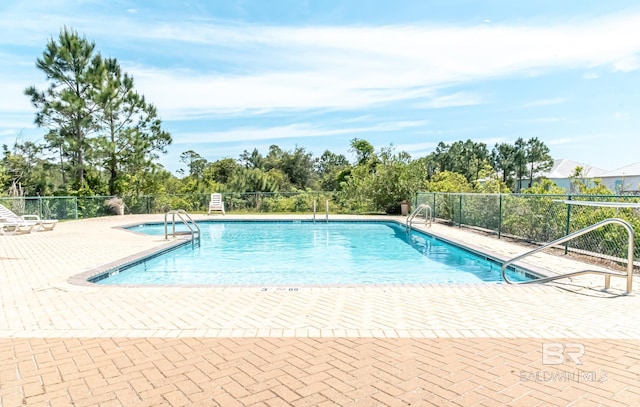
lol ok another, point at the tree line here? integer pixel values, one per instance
(103, 138)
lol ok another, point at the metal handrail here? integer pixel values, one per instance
(181, 212)
(606, 273)
(326, 210)
(427, 215)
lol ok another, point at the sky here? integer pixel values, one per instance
(234, 75)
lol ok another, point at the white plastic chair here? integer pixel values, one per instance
(216, 203)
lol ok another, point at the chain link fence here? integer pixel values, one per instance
(71, 207)
(535, 219)
(539, 219)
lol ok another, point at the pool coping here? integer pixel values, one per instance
(111, 268)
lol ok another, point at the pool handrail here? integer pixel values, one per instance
(606, 273)
(416, 212)
(326, 214)
(326, 210)
(181, 212)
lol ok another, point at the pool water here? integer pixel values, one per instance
(303, 253)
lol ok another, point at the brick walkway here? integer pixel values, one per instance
(313, 372)
(64, 344)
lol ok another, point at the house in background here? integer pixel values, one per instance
(564, 169)
(622, 181)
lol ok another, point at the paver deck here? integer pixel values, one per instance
(69, 344)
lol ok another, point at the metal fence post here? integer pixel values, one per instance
(75, 199)
(460, 212)
(500, 218)
(566, 232)
(433, 215)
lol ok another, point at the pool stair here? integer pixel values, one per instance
(183, 216)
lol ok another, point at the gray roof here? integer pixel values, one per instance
(627, 171)
(563, 168)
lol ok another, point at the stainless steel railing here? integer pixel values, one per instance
(427, 215)
(195, 230)
(606, 273)
(326, 210)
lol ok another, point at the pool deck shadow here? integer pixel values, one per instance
(490, 344)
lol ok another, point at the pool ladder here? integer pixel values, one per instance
(326, 210)
(607, 273)
(427, 216)
(189, 223)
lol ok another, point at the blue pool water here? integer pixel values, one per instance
(300, 253)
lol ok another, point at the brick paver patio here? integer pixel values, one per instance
(67, 344)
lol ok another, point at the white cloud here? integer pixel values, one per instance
(548, 120)
(563, 141)
(329, 67)
(540, 120)
(590, 75)
(545, 102)
(452, 100)
(628, 64)
(8, 132)
(298, 130)
(416, 146)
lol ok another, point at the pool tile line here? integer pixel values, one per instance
(88, 278)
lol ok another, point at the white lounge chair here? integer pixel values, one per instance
(216, 203)
(27, 220)
(8, 227)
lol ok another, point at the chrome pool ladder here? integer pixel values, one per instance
(607, 273)
(193, 227)
(422, 208)
(326, 210)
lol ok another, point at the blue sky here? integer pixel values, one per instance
(237, 74)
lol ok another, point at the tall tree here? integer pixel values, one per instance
(332, 169)
(503, 160)
(221, 171)
(195, 163)
(273, 159)
(329, 161)
(476, 157)
(132, 134)
(538, 158)
(252, 159)
(442, 158)
(362, 149)
(25, 169)
(298, 166)
(66, 108)
(520, 161)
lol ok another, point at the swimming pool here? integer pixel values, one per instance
(307, 253)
